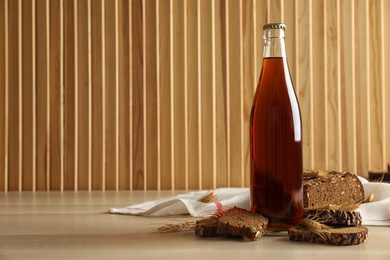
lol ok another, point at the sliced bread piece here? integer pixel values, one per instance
(344, 236)
(207, 227)
(241, 222)
(235, 222)
(332, 217)
(321, 189)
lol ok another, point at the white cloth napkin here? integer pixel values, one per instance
(376, 213)
(188, 203)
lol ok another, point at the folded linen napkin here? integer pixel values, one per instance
(189, 203)
(376, 213)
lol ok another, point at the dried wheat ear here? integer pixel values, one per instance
(208, 197)
(175, 228)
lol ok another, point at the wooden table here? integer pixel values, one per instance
(74, 225)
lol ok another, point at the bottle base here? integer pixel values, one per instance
(275, 233)
(279, 227)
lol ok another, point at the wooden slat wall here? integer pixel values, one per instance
(145, 94)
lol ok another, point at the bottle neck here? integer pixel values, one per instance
(274, 45)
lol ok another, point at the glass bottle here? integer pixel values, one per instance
(276, 184)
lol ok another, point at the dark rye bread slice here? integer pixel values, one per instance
(322, 189)
(345, 236)
(235, 222)
(241, 222)
(207, 227)
(333, 217)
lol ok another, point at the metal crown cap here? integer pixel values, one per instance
(274, 26)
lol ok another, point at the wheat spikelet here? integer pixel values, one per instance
(371, 197)
(184, 226)
(208, 197)
(346, 207)
(174, 228)
(315, 225)
(314, 173)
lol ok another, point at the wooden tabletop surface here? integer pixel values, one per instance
(75, 225)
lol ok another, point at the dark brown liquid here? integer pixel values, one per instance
(276, 148)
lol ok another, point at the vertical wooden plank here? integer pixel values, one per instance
(178, 95)
(62, 101)
(20, 95)
(151, 95)
(130, 130)
(248, 79)
(34, 95)
(42, 108)
(256, 16)
(137, 95)
(116, 25)
(97, 97)
(55, 96)
(144, 142)
(90, 135)
(375, 89)
(27, 97)
(386, 41)
(275, 11)
(7, 95)
(82, 130)
(386, 163)
(333, 85)
(319, 102)
(3, 96)
(104, 73)
(76, 95)
(304, 80)
(213, 91)
(184, 12)
(362, 86)
(69, 96)
(205, 100)
(289, 19)
(226, 31)
(124, 86)
(194, 169)
(13, 100)
(261, 19)
(158, 94)
(164, 82)
(348, 112)
(199, 58)
(220, 95)
(235, 101)
(110, 94)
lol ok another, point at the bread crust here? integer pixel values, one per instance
(332, 217)
(344, 236)
(207, 227)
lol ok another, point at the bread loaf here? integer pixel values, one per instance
(322, 189)
(344, 236)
